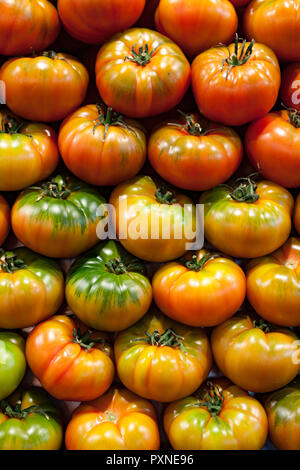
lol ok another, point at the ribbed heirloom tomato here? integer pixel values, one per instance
(297, 214)
(94, 21)
(28, 152)
(46, 87)
(119, 420)
(141, 73)
(101, 147)
(247, 220)
(71, 362)
(196, 25)
(27, 25)
(219, 416)
(290, 86)
(12, 362)
(4, 219)
(255, 355)
(273, 285)
(30, 421)
(193, 153)
(107, 288)
(203, 291)
(59, 218)
(236, 84)
(162, 360)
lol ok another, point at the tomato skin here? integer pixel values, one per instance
(273, 285)
(249, 91)
(36, 431)
(58, 227)
(275, 24)
(136, 205)
(200, 298)
(240, 3)
(196, 25)
(12, 362)
(141, 90)
(119, 420)
(297, 214)
(95, 21)
(100, 159)
(289, 90)
(4, 219)
(44, 88)
(162, 373)
(253, 359)
(27, 25)
(247, 230)
(67, 370)
(194, 162)
(241, 424)
(102, 298)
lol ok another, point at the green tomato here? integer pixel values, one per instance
(12, 362)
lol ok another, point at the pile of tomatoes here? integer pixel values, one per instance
(114, 341)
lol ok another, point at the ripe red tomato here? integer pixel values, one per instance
(297, 214)
(290, 86)
(4, 219)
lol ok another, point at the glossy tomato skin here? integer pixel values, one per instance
(191, 160)
(107, 288)
(141, 90)
(101, 156)
(34, 431)
(119, 420)
(66, 368)
(275, 24)
(290, 86)
(244, 229)
(237, 96)
(240, 425)
(44, 88)
(95, 21)
(28, 152)
(159, 372)
(297, 214)
(282, 407)
(27, 25)
(61, 224)
(196, 25)
(256, 360)
(12, 362)
(273, 285)
(4, 219)
(197, 296)
(30, 292)
(273, 146)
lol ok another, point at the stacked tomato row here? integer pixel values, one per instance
(157, 341)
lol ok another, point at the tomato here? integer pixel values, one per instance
(273, 285)
(28, 152)
(290, 86)
(26, 26)
(255, 355)
(44, 88)
(194, 154)
(58, 218)
(101, 147)
(247, 220)
(219, 416)
(276, 24)
(12, 362)
(151, 221)
(196, 25)
(273, 147)
(71, 364)
(32, 288)
(282, 409)
(162, 360)
(30, 421)
(240, 3)
(236, 84)
(203, 291)
(94, 21)
(297, 214)
(119, 420)
(4, 219)
(141, 73)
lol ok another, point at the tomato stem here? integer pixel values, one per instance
(108, 117)
(142, 56)
(262, 325)
(10, 125)
(9, 261)
(213, 399)
(239, 56)
(165, 196)
(168, 338)
(117, 266)
(294, 116)
(56, 188)
(245, 190)
(197, 265)
(18, 412)
(192, 126)
(84, 339)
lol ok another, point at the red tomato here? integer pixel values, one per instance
(290, 86)
(4, 219)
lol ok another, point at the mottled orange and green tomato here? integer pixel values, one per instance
(219, 416)
(4, 219)
(30, 421)
(162, 360)
(297, 214)
(71, 362)
(119, 420)
(12, 362)
(59, 218)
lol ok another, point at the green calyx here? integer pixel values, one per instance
(19, 413)
(168, 338)
(9, 261)
(240, 56)
(197, 265)
(193, 127)
(117, 266)
(165, 196)
(245, 190)
(108, 117)
(49, 54)
(84, 339)
(110, 416)
(213, 399)
(294, 116)
(10, 125)
(141, 57)
(55, 188)
(262, 325)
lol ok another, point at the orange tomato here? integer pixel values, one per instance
(4, 219)
(297, 214)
